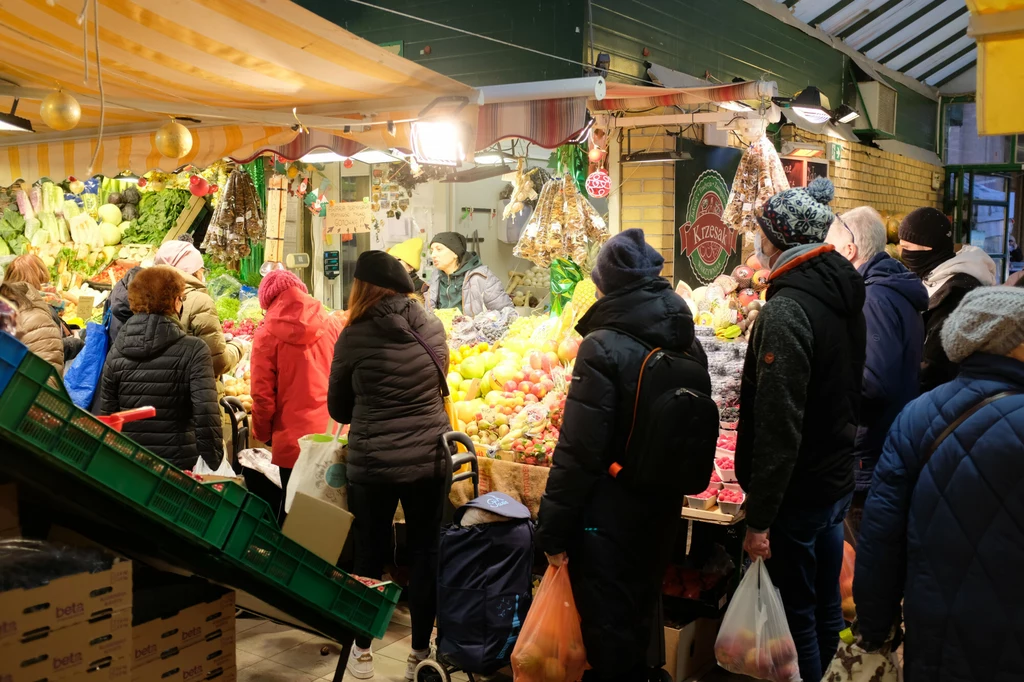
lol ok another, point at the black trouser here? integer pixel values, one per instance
(285, 475)
(374, 507)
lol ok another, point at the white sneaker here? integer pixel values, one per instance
(415, 658)
(360, 664)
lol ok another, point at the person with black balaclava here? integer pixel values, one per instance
(460, 280)
(926, 242)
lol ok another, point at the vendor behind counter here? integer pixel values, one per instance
(460, 280)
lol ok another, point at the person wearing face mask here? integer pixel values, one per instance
(799, 405)
(199, 315)
(460, 280)
(952, 564)
(926, 241)
(154, 363)
(894, 300)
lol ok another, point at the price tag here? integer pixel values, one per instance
(85, 306)
(348, 217)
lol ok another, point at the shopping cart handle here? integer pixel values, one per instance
(136, 414)
(461, 459)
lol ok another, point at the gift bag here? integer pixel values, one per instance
(550, 646)
(754, 639)
(853, 664)
(320, 470)
(82, 376)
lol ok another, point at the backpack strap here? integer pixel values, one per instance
(615, 468)
(960, 420)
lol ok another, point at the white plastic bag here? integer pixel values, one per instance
(203, 469)
(754, 639)
(261, 460)
(320, 470)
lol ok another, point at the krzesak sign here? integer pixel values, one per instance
(705, 240)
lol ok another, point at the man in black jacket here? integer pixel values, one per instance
(617, 542)
(799, 403)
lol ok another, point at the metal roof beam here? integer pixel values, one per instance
(910, 43)
(971, 64)
(870, 17)
(902, 25)
(834, 9)
(959, 55)
(924, 56)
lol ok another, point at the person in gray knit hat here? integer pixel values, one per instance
(944, 515)
(799, 407)
(988, 320)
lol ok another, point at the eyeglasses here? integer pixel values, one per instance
(853, 240)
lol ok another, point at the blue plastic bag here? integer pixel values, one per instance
(82, 376)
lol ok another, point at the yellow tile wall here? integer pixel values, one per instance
(871, 177)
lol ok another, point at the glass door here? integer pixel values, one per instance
(984, 207)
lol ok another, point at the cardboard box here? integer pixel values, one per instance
(183, 628)
(691, 648)
(212, 657)
(320, 527)
(64, 602)
(8, 508)
(69, 652)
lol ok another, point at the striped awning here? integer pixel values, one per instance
(625, 97)
(236, 63)
(998, 26)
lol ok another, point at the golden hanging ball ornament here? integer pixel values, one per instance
(60, 111)
(173, 140)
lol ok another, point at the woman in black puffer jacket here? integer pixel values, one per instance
(386, 377)
(154, 363)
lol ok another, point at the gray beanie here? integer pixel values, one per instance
(988, 320)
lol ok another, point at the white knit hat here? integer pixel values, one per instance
(988, 320)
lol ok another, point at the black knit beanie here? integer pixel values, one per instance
(454, 242)
(927, 227)
(383, 270)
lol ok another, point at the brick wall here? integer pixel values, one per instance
(871, 177)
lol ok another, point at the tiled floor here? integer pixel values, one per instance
(268, 652)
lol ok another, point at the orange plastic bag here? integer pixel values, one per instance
(550, 646)
(846, 582)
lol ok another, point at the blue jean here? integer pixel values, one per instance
(807, 557)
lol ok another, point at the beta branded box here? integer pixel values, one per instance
(99, 644)
(307, 520)
(212, 658)
(64, 602)
(184, 627)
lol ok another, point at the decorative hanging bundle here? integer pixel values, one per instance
(760, 176)
(237, 219)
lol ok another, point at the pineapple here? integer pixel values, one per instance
(583, 296)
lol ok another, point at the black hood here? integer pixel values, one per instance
(885, 271)
(396, 315)
(146, 336)
(649, 310)
(119, 296)
(819, 271)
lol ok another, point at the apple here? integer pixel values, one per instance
(539, 390)
(490, 359)
(473, 367)
(504, 372)
(536, 359)
(567, 350)
(530, 398)
(549, 386)
(535, 376)
(525, 386)
(747, 296)
(511, 386)
(486, 383)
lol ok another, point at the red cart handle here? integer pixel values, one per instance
(136, 414)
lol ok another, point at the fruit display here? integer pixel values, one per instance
(240, 388)
(730, 304)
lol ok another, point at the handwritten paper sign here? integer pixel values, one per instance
(348, 217)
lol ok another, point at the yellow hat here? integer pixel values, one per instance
(408, 251)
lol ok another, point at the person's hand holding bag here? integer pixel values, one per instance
(550, 646)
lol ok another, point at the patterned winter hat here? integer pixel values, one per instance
(798, 216)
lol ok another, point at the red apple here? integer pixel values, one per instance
(567, 350)
(510, 387)
(530, 398)
(525, 386)
(539, 390)
(536, 376)
(536, 360)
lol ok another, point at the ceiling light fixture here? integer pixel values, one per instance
(322, 156)
(803, 150)
(736, 106)
(846, 114)
(372, 157)
(811, 105)
(438, 143)
(13, 123)
(664, 156)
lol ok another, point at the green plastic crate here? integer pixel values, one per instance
(36, 411)
(258, 543)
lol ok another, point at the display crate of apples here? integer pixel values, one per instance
(509, 397)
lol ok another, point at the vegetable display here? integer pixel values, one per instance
(157, 213)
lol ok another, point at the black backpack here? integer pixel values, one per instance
(673, 433)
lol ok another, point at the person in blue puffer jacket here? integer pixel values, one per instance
(945, 533)
(894, 300)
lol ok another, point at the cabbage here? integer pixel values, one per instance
(108, 213)
(111, 233)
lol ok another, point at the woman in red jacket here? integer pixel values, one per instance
(291, 365)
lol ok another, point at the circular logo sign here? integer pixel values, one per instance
(705, 239)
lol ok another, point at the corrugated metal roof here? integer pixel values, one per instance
(925, 39)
